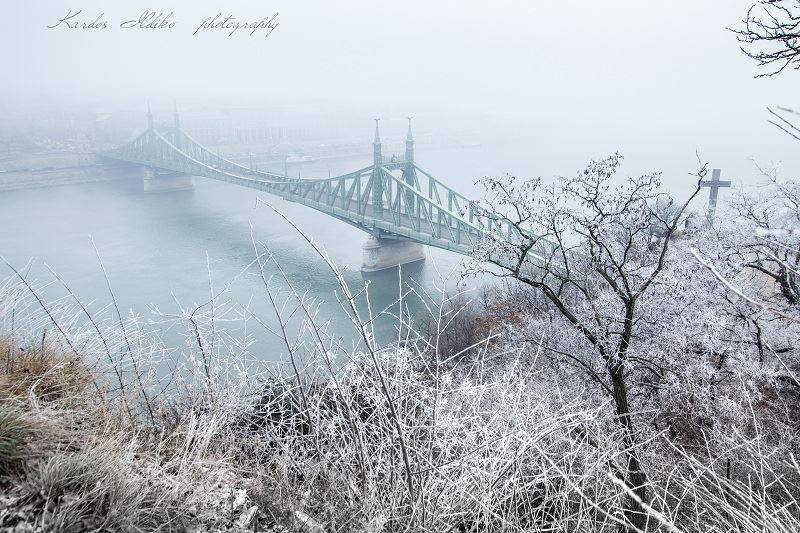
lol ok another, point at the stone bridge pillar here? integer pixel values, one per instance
(382, 252)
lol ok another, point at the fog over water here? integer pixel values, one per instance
(158, 249)
(542, 86)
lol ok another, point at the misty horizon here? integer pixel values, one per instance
(657, 83)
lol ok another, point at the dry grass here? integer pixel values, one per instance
(408, 436)
(15, 432)
(40, 369)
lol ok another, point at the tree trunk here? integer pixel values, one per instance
(636, 477)
(786, 286)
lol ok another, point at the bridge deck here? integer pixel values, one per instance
(413, 205)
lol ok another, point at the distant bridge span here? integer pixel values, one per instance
(396, 202)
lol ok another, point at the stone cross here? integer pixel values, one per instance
(715, 184)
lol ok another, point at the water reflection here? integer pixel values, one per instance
(392, 290)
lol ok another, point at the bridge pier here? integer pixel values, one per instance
(161, 181)
(382, 253)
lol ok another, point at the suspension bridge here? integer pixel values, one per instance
(401, 206)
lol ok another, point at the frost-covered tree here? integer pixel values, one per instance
(770, 35)
(766, 239)
(608, 242)
(755, 260)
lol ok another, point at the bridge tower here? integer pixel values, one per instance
(149, 117)
(383, 251)
(409, 144)
(409, 172)
(176, 117)
(154, 180)
(377, 174)
(176, 138)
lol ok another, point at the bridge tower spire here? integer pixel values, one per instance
(149, 117)
(176, 117)
(377, 173)
(409, 144)
(176, 134)
(409, 172)
(376, 145)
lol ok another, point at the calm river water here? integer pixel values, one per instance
(157, 248)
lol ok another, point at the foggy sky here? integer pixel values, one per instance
(657, 81)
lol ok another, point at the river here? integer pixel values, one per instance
(158, 248)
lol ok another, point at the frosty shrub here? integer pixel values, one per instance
(423, 433)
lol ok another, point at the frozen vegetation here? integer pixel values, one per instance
(643, 378)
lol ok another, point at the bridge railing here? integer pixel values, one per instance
(434, 213)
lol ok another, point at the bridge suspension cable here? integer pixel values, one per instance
(397, 198)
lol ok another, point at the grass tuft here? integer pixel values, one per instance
(14, 433)
(36, 368)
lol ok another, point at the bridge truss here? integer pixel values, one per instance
(394, 199)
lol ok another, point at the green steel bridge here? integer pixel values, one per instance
(390, 199)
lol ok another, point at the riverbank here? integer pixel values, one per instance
(31, 170)
(478, 416)
(404, 436)
(86, 451)
(36, 179)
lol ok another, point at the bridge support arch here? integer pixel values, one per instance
(381, 253)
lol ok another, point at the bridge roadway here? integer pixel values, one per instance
(390, 200)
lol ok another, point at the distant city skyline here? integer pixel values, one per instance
(657, 82)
